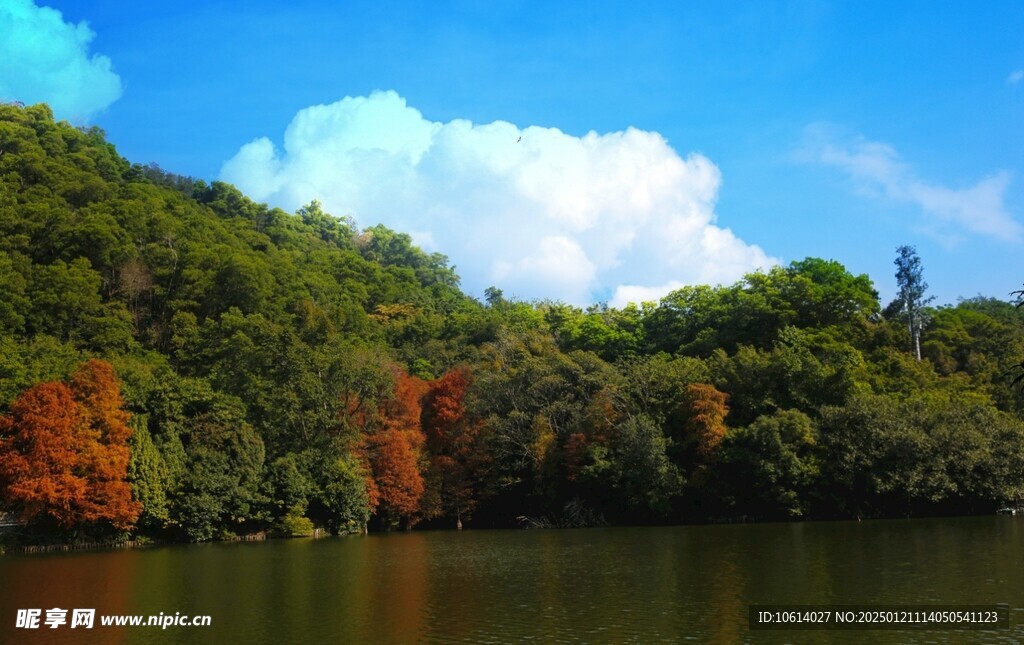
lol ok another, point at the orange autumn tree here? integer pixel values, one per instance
(453, 443)
(392, 450)
(705, 427)
(98, 392)
(41, 442)
(64, 452)
(394, 461)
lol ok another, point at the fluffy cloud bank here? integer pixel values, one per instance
(878, 169)
(44, 59)
(536, 212)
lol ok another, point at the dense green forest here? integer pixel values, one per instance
(179, 362)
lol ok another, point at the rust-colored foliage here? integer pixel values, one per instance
(40, 446)
(98, 392)
(453, 441)
(706, 425)
(391, 449)
(64, 452)
(402, 412)
(396, 470)
(444, 409)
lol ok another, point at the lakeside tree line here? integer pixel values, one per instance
(180, 362)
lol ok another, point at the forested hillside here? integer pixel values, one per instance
(180, 362)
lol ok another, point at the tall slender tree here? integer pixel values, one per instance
(912, 301)
(453, 441)
(393, 449)
(706, 425)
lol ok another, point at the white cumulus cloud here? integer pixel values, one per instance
(534, 211)
(631, 293)
(44, 59)
(880, 171)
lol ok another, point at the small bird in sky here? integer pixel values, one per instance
(520, 140)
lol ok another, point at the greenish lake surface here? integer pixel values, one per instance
(672, 584)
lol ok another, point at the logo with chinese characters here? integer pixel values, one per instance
(54, 618)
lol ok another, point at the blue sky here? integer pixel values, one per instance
(661, 143)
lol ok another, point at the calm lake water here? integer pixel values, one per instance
(592, 585)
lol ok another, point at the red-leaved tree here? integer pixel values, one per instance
(399, 482)
(392, 451)
(453, 441)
